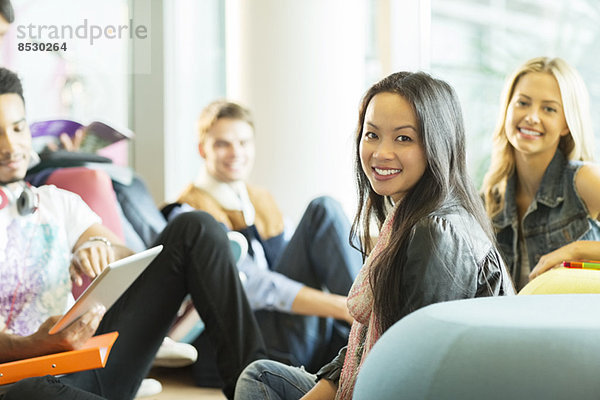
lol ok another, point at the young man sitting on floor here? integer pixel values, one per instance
(49, 237)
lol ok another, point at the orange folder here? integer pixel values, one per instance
(92, 355)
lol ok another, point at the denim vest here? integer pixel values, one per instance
(557, 216)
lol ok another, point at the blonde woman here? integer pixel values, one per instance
(541, 190)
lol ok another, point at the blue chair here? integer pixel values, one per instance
(517, 347)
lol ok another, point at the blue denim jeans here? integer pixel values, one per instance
(271, 380)
(319, 256)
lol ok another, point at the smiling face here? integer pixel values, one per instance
(228, 150)
(15, 139)
(391, 151)
(535, 119)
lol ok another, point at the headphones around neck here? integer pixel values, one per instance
(27, 201)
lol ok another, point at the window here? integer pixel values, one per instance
(87, 80)
(475, 44)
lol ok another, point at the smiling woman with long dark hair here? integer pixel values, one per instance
(434, 241)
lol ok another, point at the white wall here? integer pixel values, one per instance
(148, 98)
(299, 66)
(95, 72)
(194, 76)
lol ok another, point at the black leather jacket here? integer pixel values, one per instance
(449, 257)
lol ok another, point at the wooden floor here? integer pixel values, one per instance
(178, 385)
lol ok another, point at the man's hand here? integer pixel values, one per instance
(95, 249)
(67, 143)
(343, 307)
(311, 301)
(90, 259)
(41, 343)
(71, 337)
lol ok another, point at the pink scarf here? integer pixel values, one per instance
(365, 329)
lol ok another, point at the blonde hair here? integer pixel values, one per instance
(221, 109)
(577, 145)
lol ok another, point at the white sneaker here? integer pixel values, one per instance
(149, 387)
(174, 354)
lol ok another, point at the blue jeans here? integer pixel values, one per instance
(318, 255)
(271, 380)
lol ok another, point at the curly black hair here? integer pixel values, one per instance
(7, 11)
(10, 83)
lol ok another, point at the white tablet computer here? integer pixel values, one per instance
(107, 287)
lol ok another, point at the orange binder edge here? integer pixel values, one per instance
(92, 355)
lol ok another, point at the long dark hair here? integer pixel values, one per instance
(444, 181)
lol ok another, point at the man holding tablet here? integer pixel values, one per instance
(49, 237)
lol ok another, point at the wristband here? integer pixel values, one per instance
(100, 239)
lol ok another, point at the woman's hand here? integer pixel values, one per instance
(578, 250)
(550, 261)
